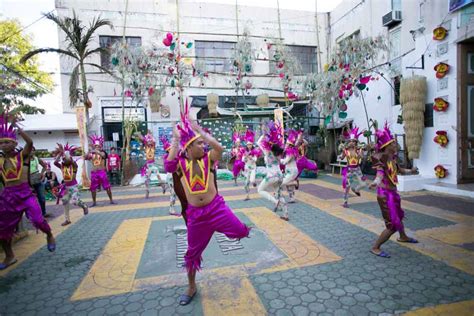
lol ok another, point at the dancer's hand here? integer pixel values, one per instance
(372, 185)
(176, 134)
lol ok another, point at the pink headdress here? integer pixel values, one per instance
(236, 137)
(353, 134)
(384, 137)
(249, 137)
(165, 142)
(274, 136)
(97, 140)
(66, 151)
(7, 130)
(292, 137)
(148, 139)
(185, 130)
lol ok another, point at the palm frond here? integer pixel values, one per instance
(94, 25)
(63, 24)
(47, 50)
(105, 70)
(73, 83)
(94, 51)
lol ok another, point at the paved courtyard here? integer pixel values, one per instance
(126, 258)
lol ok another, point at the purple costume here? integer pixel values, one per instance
(99, 178)
(14, 200)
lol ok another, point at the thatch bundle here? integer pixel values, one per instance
(212, 102)
(412, 99)
(263, 100)
(155, 102)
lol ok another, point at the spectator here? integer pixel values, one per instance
(113, 165)
(36, 179)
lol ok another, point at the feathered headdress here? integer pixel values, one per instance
(97, 140)
(273, 136)
(7, 130)
(236, 137)
(249, 136)
(384, 137)
(185, 130)
(165, 142)
(64, 150)
(353, 134)
(148, 139)
(292, 137)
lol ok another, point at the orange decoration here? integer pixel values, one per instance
(439, 33)
(440, 171)
(441, 70)
(441, 138)
(440, 105)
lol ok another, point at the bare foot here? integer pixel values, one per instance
(7, 262)
(93, 204)
(285, 218)
(86, 210)
(112, 202)
(147, 194)
(66, 222)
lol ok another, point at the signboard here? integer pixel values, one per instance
(114, 115)
(458, 4)
(115, 137)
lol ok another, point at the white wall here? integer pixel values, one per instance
(47, 140)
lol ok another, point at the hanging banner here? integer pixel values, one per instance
(81, 127)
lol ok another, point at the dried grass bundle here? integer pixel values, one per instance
(413, 97)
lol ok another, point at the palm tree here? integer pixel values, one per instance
(78, 39)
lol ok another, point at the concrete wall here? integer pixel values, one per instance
(47, 140)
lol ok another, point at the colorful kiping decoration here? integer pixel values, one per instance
(440, 172)
(441, 70)
(440, 105)
(439, 33)
(441, 138)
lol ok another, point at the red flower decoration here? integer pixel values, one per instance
(441, 70)
(441, 138)
(440, 105)
(440, 171)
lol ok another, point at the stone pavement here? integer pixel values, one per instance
(124, 259)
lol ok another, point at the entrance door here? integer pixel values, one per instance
(466, 93)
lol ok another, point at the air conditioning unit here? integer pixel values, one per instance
(392, 18)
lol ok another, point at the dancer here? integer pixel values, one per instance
(37, 179)
(206, 211)
(68, 191)
(270, 144)
(17, 196)
(150, 166)
(98, 174)
(352, 178)
(236, 156)
(250, 157)
(302, 162)
(169, 176)
(289, 162)
(384, 161)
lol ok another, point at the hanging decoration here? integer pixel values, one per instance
(441, 138)
(413, 98)
(286, 66)
(440, 172)
(441, 70)
(440, 105)
(242, 65)
(439, 33)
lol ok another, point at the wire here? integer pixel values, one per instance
(24, 28)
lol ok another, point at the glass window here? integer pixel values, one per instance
(395, 51)
(396, 92)
(108, 41)
(396, 5)
(470, 63)
(470, 111)
(429, 122)
(305, 56)
(215, 56)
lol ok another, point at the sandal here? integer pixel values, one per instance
(3, 266)
(52, 247)
(381, 254)
(185, 299)
(410, 240)
(66, 222)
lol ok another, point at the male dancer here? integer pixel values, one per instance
(289, 161)
(150, 166)
(236, 156)
(271, 145)
(17, 196)
(206, 210)
(169, 176)
(250, 157)
(98, 173)
(69, 192)
(352, 177)
(302, 162)
(384, 161)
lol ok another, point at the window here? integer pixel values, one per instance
(421, 12)
(215, 56)
(396, 92)
(395, 51)
(396, 5)
(305, 57)
(429, 122)
(108, 41)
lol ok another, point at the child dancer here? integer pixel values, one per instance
(206, 211)
(150, 167)
(98, 173)
(352, 177)
(250, 157)
(271, 145)
(289, 161)
(169, 176)
(68, 191)
(17, 196)
(384, 161)
(236, 156)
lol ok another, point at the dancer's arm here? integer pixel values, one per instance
(174, 149)
(28, 142)
(216, 152)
